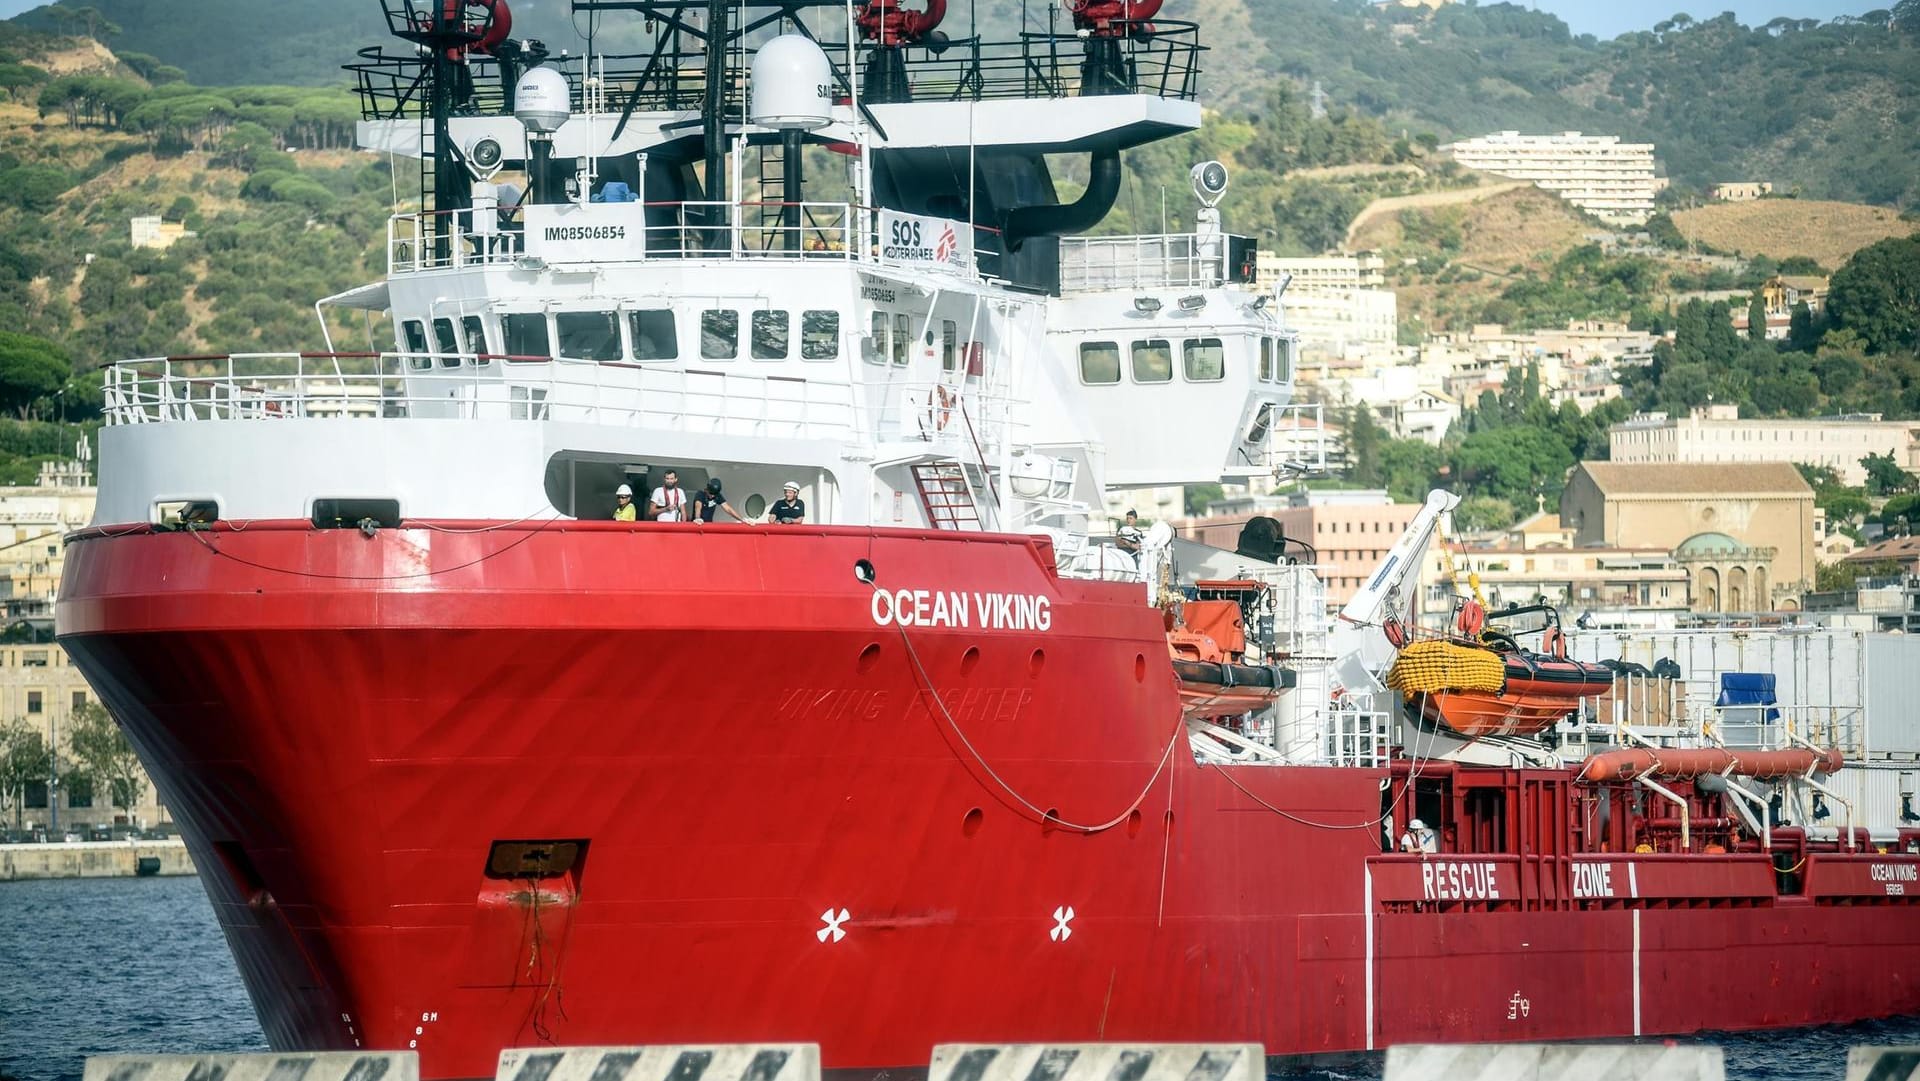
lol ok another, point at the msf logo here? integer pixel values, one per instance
(947, 247)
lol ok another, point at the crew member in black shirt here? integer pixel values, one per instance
(711, 501)
(790, 509)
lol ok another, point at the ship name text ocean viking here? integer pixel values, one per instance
(956, 608)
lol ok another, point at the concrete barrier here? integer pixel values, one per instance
(1554, 1062)
(286, 1066)
(1883, 1064)
(666, 1062)
(1098, 1062)
(91, 859)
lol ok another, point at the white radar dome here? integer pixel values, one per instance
(542, 100)
(792, 84)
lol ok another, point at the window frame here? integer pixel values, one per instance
(712, 321)
(635, 335)
(1140, 346)
(413, 336)
(616, 339)
(760, 328)
(447, 345)
(1187, 351)
(475, 329)
(509, 334)
(902, 339)
(808, 337)
(1118, 365)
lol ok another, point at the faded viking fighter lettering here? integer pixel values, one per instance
(986, 703)
(1448, 880)
(830, 704)
(954, 608)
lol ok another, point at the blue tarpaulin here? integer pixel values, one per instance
(1748, 689)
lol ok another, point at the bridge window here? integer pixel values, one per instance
(526, 335)
(1205, 360)
(448, 345)
(949, 345)
(1099, 362)
(1152, 361)
(476, 332)
(415, 333)
(902, 336)
(654, 336)
(1283, 360)
(874, 349)
(820, 335)
(1266, 360)
(591, 336)
(719, 334)
(771, 327)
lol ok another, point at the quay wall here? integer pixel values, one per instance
(99, 859)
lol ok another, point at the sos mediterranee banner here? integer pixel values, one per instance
(930, 243)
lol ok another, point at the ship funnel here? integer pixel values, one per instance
(542, 100)
(792, 85)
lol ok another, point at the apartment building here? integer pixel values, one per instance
(1717, 433)
(1612, 180)
(1339, 304)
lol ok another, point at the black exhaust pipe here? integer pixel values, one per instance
(1059, 219)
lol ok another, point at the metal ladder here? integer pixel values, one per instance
(946, 491)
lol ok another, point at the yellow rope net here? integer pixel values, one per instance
(1435, 665)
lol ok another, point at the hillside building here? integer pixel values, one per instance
(1742, 191)
(1717, 433)
(1743, 531)
(1339, 304)
(1612, 180)
(155, 233)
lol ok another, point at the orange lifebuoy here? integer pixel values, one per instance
(1473, 619)
(1554, 642)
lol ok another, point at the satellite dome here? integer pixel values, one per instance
(792, 84)
(542, 100)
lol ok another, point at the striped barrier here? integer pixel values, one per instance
(1098, 1062)
(1883, 1064)
(272, 1066)
(1554, 1062)
(667, 1062)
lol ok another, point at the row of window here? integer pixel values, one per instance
(645, 335)
(37, 701)
(1202, 360)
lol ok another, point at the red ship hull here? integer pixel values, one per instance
(344, 726)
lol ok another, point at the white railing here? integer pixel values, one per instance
(1169, 260)
(282, 386)
(445, 240)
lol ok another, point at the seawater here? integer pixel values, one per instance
(89, 966)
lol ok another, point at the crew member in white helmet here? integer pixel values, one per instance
(789, 509)
(623, 508)
(1419, 838)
